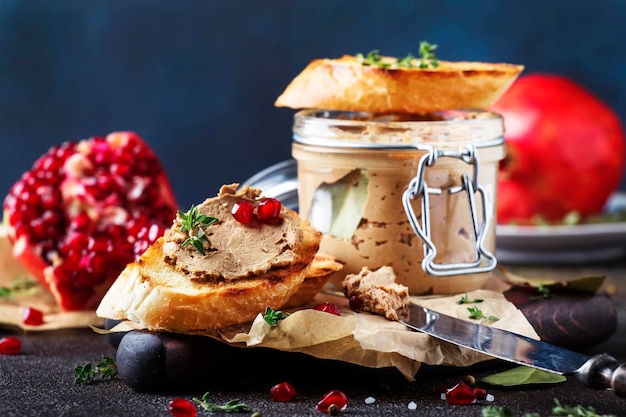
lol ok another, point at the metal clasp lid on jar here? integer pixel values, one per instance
(484, 260)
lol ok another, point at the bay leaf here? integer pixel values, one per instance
(337, 208)
(588, 284)
(523, 375)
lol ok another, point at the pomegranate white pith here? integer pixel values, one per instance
(84, 211)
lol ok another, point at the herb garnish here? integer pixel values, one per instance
(87, 373)
(427, 59)
(493, 411)
(579, 410)
(465, 300)
(273, 317)
(558, 410)
(18, 287)
(477, 314)
(427, 52)
(231, 406)
(195, 224)
(543, 293)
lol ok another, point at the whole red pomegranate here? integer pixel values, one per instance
(84, 211)
(565, 150)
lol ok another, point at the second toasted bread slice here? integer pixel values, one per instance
(346, 84)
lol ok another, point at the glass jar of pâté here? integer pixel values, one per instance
(415, 192)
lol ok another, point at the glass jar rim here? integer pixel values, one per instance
(482, 128)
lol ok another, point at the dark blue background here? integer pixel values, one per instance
(197, 79)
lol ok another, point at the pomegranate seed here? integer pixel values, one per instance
(282, 392)
(268, 210)
(334, 398)
(10, 345)
(460, 394)
(481, 394)
(328, 308)
(242, 211)
(356, 303)
(182, 407)
(32, 316)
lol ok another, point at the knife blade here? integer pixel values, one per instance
(599, 372)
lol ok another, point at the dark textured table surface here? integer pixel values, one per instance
(40, 381)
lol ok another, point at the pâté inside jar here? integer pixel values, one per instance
(414, 192)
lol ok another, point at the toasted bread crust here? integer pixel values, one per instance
(347, 85)
(317, 276)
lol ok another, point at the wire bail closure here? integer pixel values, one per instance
(484, 260)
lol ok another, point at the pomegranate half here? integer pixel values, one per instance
(84, 211)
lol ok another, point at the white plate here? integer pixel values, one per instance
(564, 244)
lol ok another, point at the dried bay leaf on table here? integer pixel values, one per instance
(523, 375)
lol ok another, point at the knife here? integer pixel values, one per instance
(600, 372)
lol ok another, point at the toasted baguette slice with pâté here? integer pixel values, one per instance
(244, 269)
(346, 84)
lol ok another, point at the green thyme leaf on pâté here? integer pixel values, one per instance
(194, 224)
(273, 317)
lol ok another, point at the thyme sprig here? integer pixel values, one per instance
(558, 410)
(232, 406)
(106, 368)
(194, 224)
(477, 314)
(273, 317)
(427, 53)
(427, 59)
(18, 287)
(465, 300)
(543, 293)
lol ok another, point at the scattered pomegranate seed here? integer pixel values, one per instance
(481, 393)
(182, 407)
(328, 308)
(460, 394)
(243, 211)
(32, 316)
(334, 398)
(268, 210)
(10, 345)
(283, 392)
(356, 303)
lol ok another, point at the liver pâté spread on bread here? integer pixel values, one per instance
(238, 270)
(378, 292)
(233, 251)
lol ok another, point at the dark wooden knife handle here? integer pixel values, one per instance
(604, 371)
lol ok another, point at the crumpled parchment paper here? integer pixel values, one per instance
(373, 341)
